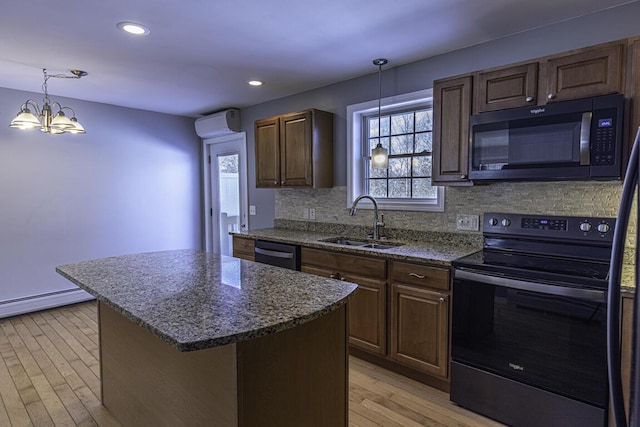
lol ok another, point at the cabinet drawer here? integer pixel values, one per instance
(345, 263)
(421, 275)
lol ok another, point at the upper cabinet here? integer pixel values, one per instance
(581, 73)
(585, 73)
(295, 150)
(506, 87)
(451, 110)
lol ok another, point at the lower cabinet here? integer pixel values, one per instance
(243, 248)
(400, 313)
(419, 317)
(368, 306)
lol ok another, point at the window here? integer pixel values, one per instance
(405, 129)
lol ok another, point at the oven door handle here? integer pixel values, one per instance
(583, 294)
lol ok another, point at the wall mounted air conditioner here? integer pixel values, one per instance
(218, 124)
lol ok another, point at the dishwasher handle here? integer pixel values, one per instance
(276, 254)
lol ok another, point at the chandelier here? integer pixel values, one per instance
(44, 117)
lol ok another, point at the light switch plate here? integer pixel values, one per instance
(467, 222)
(252, 210)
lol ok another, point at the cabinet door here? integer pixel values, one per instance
(451, 110)
(367, 310)
(420, 328)
(368, 315)
(508, 87)
(267, 140)
(295, 150)
(590, 73)
(243, 248)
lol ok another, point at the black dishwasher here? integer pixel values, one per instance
(278, 254)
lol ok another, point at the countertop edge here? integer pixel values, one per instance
(217, 341)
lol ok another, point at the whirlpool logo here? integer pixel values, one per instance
(516, 367)
(537, 110)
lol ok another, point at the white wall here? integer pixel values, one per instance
(130, 184)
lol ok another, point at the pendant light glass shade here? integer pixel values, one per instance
(61, 122)
(379, 155)
(25, 120)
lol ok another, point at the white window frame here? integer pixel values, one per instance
(356, 158)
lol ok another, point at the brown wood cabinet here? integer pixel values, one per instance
(580, 73)
(506, 87)
(451, 111)
(589, 72)
(295, 150)
(626, 339)
(419, 317)
(243, 248)
(368, 306)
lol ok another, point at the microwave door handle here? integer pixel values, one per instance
(585, 139)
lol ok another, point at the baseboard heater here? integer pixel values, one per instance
(34, 303)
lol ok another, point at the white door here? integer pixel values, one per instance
(226, 188)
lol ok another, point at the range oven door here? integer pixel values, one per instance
(550, 337)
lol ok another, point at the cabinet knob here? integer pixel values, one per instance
(333, 276)
(419, 276)
(463, 176)
(551, 96)
(529, 99)
(275, 182)
(441, 299)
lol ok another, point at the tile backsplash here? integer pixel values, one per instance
(588, 198)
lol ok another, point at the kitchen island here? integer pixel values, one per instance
(192, 338)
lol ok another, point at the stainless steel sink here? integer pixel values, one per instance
(346, 241)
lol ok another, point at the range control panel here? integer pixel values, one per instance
(547, 226)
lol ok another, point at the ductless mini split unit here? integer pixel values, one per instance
(218, 124)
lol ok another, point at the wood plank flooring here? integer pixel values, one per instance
(50, 376)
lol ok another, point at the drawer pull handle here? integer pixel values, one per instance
(419, 276)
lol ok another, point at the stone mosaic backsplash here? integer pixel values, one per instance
(588, 198)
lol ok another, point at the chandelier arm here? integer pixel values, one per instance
(33, 103)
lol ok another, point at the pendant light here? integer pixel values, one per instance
(44, 119)
(380, 155)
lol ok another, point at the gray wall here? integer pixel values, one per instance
(131, 184)
(609, 25)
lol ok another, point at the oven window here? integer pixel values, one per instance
(524, 143)
(552, 342)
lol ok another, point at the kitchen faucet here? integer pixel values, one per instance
(376, 224)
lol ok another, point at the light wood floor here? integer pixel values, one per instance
(50, 376)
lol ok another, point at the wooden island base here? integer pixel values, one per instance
(295, 377)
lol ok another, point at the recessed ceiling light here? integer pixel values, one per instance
(133, 28)
(255, 82)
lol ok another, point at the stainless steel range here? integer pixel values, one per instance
(529, 321)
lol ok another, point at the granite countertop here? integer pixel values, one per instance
(194, 300)
(442, 248)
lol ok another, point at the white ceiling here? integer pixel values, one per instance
(200, 53)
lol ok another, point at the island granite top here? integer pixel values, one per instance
(194, 300)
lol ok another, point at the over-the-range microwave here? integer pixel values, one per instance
(572, 140)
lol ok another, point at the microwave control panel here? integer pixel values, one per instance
(603, 150)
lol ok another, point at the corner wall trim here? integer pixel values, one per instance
(42, 302)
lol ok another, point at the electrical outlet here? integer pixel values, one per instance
(305, 213)
(312, 213)
(252, 210)
(467, 222)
